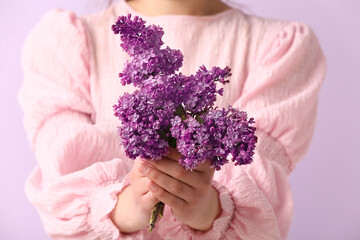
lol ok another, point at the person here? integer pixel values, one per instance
(85, 187)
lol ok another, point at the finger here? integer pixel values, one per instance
(149, 200)
(195, 179)
(175, 170)
(166, 197)
(138, 181)
(168, 183)
(205, 167)
(173, 154)
(140, 186)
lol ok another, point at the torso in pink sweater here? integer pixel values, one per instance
(71, 65)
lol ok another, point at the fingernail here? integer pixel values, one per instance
(143, 169)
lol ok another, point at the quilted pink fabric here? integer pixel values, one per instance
(70, 84)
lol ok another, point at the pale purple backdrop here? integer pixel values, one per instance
(325, 184)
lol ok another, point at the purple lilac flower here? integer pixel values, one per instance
(171, 109)
(144, 43)
(192, 141)
(137, 37)
(142, 121)
(223, 132)
(231, 133)
(151, 63)
(203, 87)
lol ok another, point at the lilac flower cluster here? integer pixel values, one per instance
(143, 44)
(142, 121)
(221, 133)
(171, 109)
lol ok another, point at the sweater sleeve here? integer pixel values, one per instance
(281, 93)
(80, 168)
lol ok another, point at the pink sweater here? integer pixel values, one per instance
(70, 67)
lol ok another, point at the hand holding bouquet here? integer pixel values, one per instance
(170, 109)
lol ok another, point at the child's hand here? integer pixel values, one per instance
(133, 209)
(189, 193)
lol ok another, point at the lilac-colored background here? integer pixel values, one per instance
(325, 184)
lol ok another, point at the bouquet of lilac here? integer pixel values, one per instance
(171, 109)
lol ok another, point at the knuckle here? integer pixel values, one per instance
(153, 163)
(180, 172)
(201, 185)
(172, 202)
(206, 182)
(154, 175)
(176, 187)
(153, 199)
(160, 194)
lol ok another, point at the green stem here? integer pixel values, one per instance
(180, 112)
(155, 212)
